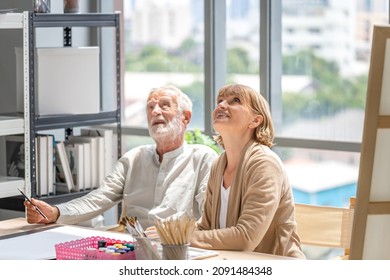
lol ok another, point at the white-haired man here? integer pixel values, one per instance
(151, 180)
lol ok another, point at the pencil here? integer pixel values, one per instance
(36, 207)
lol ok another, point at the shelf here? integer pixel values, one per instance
(48, 122)
(11, 125)
(61, 198)
(11, 21)
(71, 20)
(15, 203)
(64, 121)
(28, 122)
(9, 186)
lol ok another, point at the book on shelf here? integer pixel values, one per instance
(86, 162)
(45, 164)
(106, 157)
(42, 165)
(93, 157)
(64, 181)
(75, 154)
(51, 161)
(100, 160)
(108, 135)
(37, 167)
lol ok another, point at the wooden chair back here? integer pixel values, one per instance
(325, 226)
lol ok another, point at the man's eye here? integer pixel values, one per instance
(236, 99)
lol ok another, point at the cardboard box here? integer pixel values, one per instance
(67, 81)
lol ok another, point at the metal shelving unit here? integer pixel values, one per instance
(11, 124)
(34, 123)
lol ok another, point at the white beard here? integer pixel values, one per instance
(166, 132)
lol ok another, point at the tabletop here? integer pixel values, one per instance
(20, 226)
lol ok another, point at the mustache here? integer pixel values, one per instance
(158, 119)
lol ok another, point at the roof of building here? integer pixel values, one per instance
(312, 177)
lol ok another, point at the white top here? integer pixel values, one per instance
(224, 205)
(148, 189)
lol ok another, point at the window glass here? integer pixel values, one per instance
(326, 54)
(242, 42)
(321, 177)
(326, 47)
(325, 62)
(164, 44)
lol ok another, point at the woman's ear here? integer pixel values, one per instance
(258, 119)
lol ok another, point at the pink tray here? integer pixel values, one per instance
(78, 250)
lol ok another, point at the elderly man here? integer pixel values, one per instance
(151, 180)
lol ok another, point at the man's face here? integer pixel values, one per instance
(164, 118)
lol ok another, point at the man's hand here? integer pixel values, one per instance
(33, 217)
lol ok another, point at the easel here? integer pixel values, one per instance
(372, 212)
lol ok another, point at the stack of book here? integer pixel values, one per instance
(79, 163)
(89, 159)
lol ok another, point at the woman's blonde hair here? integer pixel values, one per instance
(264, 133)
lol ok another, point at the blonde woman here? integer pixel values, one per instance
(249, 204)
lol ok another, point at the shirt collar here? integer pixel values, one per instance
(168, 155)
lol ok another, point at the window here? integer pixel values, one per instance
(309, 58)
(242, 42)
(163, 45)
(324, 83)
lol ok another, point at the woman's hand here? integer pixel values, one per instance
(151, 232)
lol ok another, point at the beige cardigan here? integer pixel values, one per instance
(260, 213)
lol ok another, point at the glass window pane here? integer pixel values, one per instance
(326, 51)
(321, 177)
(242, 42)
(164, 44)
